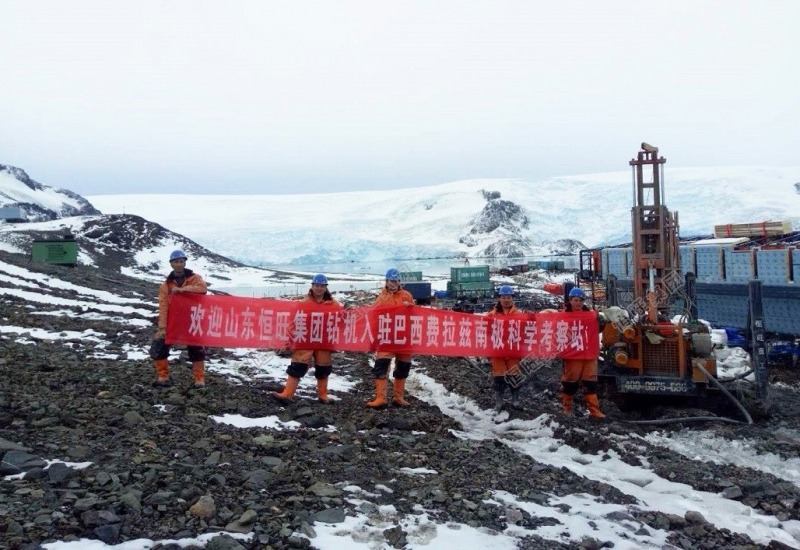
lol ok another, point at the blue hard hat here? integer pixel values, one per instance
(505, 290)
(393, 274)
(177, 255)
(576, 292)
(319, 279)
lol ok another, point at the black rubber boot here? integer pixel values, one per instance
(498, 399)
(515, 398)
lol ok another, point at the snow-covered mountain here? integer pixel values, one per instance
(463, 218)
(39, 202)
(474, 218)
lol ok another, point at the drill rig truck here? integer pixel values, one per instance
(644, 351)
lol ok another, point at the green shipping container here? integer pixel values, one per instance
(412, 276)
(55, 252)
(470, 290)
(478, 273)
(534, 264)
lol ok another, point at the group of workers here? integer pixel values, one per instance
(504, 369)
(391, 295)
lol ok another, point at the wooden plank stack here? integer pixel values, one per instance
(758, 229)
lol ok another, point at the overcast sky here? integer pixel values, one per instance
(307, 96)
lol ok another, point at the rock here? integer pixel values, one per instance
(45, 422)
(78, 452)
(108, 516)
(191, 493)
(257, 479)
(103, 478)
(271, 461)
(217, 479)
(108, 533)
(8, 470)
(322, 489)
(244, 524)
(23, 461)
(5, 421)
(204, 508)
(732, 492)
(514, 515)
(224, 542)
(331, 515)
(34, 474)
(59, 472)
(132, 502)
(307, 530)
(160, 497)
(6, 445)
(132, 418)
(395, 537)
(695, 518)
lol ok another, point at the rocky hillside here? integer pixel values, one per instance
(39, 202)
(499, 230)
(90, 450)
(123, 243)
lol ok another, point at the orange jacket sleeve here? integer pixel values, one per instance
(399, 298)
(194, 283)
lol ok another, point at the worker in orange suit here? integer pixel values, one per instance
(179, 280)
(579, 371)
(391, 295)
(504, 366)
(301, 359)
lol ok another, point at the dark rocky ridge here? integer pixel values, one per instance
(113, 241)
(176, 473)
(37, 212)
(500, 228)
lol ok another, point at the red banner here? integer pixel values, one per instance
(237, 322)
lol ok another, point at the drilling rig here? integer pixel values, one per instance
(644, 351)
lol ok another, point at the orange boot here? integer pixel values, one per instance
(199, 371)
(322, 390)
(593, 405)
(381, 384)
(398, 391)
(162, 372)
(287, 394)
(566, 403)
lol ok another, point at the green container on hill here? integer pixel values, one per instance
(534, 264)
(410, 276)
(470, 274)
(56, 251)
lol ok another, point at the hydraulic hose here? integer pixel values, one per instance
(729, 395)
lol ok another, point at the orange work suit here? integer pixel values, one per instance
(322, 357)
(501, 366)
(397, 298)
(579, 370)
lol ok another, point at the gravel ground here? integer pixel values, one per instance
(161, 468)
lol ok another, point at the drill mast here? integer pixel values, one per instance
(655, 234)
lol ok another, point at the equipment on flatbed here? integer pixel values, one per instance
(643, 351)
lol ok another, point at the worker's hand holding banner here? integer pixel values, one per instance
(236, 322)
